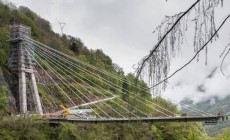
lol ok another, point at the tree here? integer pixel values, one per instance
(155, 66)
(76, 45)
(3, 100)
(73, 46)
(125, 89)
(3, 57)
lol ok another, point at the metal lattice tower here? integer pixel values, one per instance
(21, 64)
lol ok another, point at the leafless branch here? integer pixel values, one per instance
(161, 40)
(171, 34)
(221, 65)
(196, 53)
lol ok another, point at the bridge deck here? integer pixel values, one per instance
(142, 119)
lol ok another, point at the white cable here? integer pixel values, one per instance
(89, 86)
(91, 66)
(84, 81)
(65, 84)
(92, 94)
(94, 67)
(137, 99)
(84, 70)
(84, 95)
(192, 108)
(54, 81)
(70, 88)
(48, 91)
(120, 90)
(196, 110)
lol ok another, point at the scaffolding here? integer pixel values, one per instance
(21, 63)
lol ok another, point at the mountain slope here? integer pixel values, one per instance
(213, 105)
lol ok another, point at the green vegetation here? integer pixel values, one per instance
(32, 128)
(3, 100)
(24, 128)
(224, 135)
(213, 105)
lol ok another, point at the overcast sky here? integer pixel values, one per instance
(123, 30)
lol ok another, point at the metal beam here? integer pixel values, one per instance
(141, 119)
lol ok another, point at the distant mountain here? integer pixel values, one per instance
(212, 105)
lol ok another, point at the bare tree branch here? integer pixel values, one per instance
(198, 20)
(221, 65)
(161, 40)
(197, 53)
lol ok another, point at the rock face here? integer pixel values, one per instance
(5, 81)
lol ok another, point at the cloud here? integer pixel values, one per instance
(123, 29)
(112, 25)
(202, 88)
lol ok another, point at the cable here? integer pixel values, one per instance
(84, 70)
(112, 86)
(70, 88)
(48, 90)
(54, 82)
(90, 66)
(192, 108)
(88, 81)
(83, 94)
(87, 85)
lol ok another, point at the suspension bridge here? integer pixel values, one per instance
(48, 78)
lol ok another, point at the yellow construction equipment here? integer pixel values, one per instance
(65, 111)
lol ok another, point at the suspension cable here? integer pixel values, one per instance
(73, 74)
(68, 86)
(110, 85)
(89, 86)
(113, 85)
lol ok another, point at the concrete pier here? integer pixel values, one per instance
(20, 62)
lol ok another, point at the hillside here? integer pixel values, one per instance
(26, 128)
(214, 105)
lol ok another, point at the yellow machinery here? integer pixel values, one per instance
(65, 111)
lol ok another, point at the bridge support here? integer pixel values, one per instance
(21, 64)
(22, 92)
(36, 97)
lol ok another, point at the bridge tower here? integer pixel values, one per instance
(22, 65)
